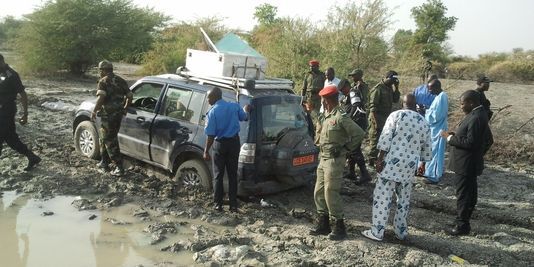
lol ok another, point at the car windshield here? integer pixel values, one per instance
(280, 118)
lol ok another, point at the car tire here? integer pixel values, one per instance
(86, 140)
(194, 173)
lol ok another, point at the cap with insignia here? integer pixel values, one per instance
(328, 91)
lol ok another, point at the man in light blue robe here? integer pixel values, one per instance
(436, 116)
(423, 97)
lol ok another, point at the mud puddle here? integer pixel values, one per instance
(52, 232)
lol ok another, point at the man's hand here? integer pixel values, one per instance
(93, 116)
(379, 166)
(445, 134)
(247, 108)
(207, 156)
(24, 119)
(421, 170)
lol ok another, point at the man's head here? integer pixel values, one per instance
(105, 67)
(469, 100)
(314, 65)
(344, 86)
(408, 102)
(356, 74)
(434, 87)
(329, 97)
(392, 78)
(432, 77)
(214, 95)
(330, 73)
(483, 83)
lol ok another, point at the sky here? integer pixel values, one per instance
(483, 26)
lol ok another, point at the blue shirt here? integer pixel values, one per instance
(223, 119)
(423, 97)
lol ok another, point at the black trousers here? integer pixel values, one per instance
(356, 157)
(225, 157)
(466, 198)
(8, 134)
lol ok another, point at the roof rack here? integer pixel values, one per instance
(237, 84)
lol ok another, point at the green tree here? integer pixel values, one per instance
(9, 27)
(75, 34)
(353, 38)
(266, 14)
(432, 28)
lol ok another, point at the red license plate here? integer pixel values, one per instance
(303, 160)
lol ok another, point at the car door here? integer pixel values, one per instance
(176, 123)
(134, 134)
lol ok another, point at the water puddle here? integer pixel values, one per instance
(30, 237)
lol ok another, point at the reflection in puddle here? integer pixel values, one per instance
(69, 238)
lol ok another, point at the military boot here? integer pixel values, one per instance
(103, 165)
(364, 175)
(118, 171)
(32, 161)
(339, 232)
(322, 227)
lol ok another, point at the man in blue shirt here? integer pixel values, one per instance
(222, 129)
(423, 97)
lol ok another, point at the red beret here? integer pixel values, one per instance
(314, 62)
(328, 90)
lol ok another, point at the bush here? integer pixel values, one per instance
(464, 70)
(512, 71)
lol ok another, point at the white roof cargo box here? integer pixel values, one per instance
(207, 63)
(230, 57)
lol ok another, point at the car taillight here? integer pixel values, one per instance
(247, 153)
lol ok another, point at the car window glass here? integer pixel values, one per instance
(195, 106)
(145, 96)
(278, 119)
(176, 103)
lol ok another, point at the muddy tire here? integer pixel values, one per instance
(194, 173)
(86, 140)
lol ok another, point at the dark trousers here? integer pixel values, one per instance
(8, 134)
(356, 157)
(109, 141)
(466, 198)
(225, 157)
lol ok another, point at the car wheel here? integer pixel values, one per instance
(86, 140)
(194, 173)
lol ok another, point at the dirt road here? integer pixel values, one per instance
(503, 225)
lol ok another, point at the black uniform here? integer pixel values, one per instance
(486, 104)
(10, 86)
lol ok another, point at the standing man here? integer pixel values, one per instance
(404, 141)
(113, 99)
(423, 96)
(313, 83)
(331, 78)
(381, 99)
(483, 84)
(10, 87)
(470, 142)
(436, 116)
(336, 136)
(359, 85)
(222, 129)
(353, 104)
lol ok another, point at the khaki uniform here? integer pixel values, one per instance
(336, 135)
(381, 99)
(114, 89)
(313, 83)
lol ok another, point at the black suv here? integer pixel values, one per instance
(165, 127)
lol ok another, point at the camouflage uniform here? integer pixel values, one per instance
(114, 89)
(381, 99)
(313, 83)
(336, 136)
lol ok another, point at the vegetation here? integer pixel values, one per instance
(75, 34)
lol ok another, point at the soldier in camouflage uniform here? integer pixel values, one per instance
(381, 99)
(337, 135)
(353, 104)
(113, 99)
(313, 83)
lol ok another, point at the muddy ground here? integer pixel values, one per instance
(503, 223)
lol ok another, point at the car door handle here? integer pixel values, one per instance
(140, 120)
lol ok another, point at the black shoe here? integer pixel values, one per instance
(364, 178)
(426, 181)
(322, 227)
(233, 209)
(460, 230)
(350, 176)
(218, 208)
(118, 171)
(339, 232)
(32, 161)
(103, 165)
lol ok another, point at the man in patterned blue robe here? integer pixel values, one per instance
(404, 141)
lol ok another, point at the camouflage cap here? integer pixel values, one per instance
(105, 65)
(358, 72)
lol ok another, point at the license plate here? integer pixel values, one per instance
(303, 160)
